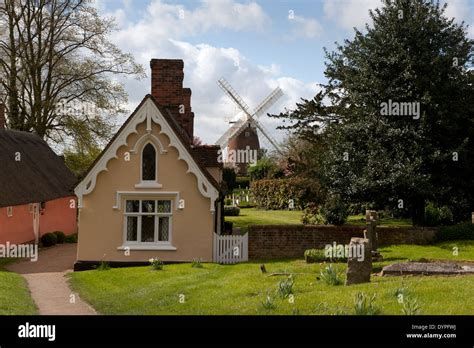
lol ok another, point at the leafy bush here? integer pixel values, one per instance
(314, 255)
(331, 276)
(435, 216)
(285, 287)
(61, 237)
(196, 263)
(456, 232)
(231, 211)
(71, 238)
(312, 215)
(49, 239)
(364, 305)
(274, 194)
(335, 210)
(229, 178)
(265, 168)
(156, 263)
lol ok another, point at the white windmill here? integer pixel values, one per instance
(249, 121)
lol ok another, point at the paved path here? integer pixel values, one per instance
(48, 284)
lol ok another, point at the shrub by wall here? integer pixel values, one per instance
(275, 194)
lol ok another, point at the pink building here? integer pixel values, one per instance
(36, 194)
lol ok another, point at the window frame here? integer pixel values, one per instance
(156, 243)
(148, 183)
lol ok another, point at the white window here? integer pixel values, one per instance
(9, 211)
(147, 222)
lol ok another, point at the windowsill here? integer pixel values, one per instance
(146, 247)
(146, 185)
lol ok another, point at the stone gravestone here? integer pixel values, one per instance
(359, 262)
(371, 218)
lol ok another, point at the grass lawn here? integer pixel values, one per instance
(15, 298)
(253, 216)
(242, 288)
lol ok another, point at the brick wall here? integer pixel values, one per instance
(289, 241)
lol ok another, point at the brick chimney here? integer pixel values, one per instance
(167, 87)
(3, 121)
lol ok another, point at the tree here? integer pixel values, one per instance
(58, 68)
(412, 57)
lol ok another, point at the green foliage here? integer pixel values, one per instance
(463, 231)
(49, 239)
(103, 266)
(435, 216)
(230, 210)
(71, 239)
(275, 194)
(285, 287)
(196, 263)
(269, 302)
(410, 306)
(371, 157)
(60, 236)
(312, 215)
(242, 182)
(314, 255)
(264, 168)
(156, 264)
(331, 275)
(334, 210)
(229, 177)
(79, 160)
(364, 305)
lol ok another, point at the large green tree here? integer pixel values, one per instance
(59, 69)
(412, 53)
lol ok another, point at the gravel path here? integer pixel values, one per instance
(47, 281)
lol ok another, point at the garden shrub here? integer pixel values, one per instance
(312, 215)
(231, 211)
(435, 216)
(71, 238)
(156, 264)
(242, 181)
(61, 237)
(463, 231)
(314, 255)
(274, 194)
(334, 210)
(49, 239)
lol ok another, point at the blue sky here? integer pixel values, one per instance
(255, 45)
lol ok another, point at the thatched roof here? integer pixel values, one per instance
(39, 176)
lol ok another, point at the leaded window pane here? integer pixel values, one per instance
(164, 206)
(132, 228)
(132, 206)
(148, 206)
(149, 163)
(148, 228)
(163, 229)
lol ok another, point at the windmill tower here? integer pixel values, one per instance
(242, 138)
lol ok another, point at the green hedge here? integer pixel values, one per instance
(457, 232)
(231, 211)
(275, 194)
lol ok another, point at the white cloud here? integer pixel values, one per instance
(162, 20)
(304, 27)
(350, 13)
(462, 10)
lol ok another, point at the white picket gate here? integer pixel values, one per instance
(231, 249)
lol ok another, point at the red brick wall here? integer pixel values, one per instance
(290, 241)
